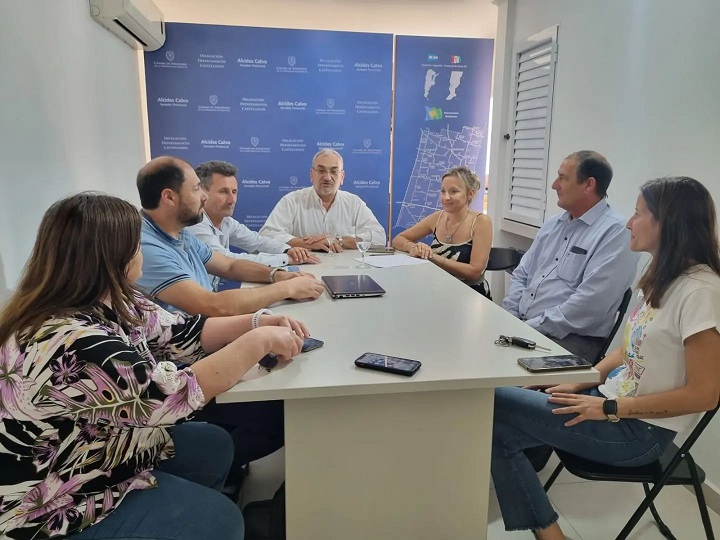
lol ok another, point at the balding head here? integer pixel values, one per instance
(165, 172)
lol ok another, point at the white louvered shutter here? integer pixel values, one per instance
(530, 135)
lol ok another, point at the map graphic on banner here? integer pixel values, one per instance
(266, 100)
(442, 106)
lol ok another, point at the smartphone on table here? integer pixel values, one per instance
(310, 344)
(389, 364)
(269, 361)
(563, 362)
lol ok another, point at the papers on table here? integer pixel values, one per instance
(389, 261)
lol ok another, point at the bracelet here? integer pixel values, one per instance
(405, 246)
(276, 269)
(256, 317)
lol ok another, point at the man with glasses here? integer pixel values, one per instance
(302, 218)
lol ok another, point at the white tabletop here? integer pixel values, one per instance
(426, 315)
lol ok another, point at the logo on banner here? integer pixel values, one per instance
(366, 148)
(213, 107)
(285, 188)
(291, 67)
(455, 59)
(433, 57)
(433, 113)
(169, 61)
(254, 141)
(329, 108)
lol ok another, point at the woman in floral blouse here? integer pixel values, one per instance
(91, 400)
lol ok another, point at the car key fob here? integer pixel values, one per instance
(268, 361)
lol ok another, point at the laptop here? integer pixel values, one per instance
(356, 286)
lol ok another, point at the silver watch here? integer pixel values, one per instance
(276, 269)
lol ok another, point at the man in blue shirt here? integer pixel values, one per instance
(175, 274)
(176, 264)
(571, 281)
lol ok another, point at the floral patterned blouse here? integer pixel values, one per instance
(84, 410)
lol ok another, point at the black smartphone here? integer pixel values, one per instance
(539, 364)
(310, 344)
(391, 364)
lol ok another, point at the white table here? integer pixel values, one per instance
(372, 455)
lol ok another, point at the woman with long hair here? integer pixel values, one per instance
(653, 387)
(461, 237)
(92, 402)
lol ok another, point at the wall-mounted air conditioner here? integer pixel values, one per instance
(139, 23)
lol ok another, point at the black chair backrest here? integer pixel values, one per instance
(503, 259)
(622, 308)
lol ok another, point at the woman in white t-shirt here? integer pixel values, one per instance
(657, 384)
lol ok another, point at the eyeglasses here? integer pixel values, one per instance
(322, 171)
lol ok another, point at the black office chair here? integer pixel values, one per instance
(675, 467)
(619, 315)
(503, 259)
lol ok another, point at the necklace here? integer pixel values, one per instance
(448, 234)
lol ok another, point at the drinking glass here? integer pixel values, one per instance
(330, 234)
(363, 246)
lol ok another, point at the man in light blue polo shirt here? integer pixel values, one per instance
(571, 281)
(176, 264)
(175, 274)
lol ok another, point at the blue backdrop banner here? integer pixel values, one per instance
(267, 100)
(442, 107)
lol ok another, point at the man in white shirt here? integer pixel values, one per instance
(302, 217)
(219, 230)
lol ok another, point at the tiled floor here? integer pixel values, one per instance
(588, 510)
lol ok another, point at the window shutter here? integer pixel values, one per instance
(530, 136)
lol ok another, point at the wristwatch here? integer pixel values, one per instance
(276, 269)
(610, 410)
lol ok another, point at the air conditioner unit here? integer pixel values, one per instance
(139, 23)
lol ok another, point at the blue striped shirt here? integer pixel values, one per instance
(572, 279)
(168, 260)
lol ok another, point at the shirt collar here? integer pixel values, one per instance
(207, 220)
(163, 234)
(591, 215)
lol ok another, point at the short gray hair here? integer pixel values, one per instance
(205, 171)
(328, 152)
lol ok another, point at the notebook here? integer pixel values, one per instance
(355, 286)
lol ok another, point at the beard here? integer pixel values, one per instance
(189, 217)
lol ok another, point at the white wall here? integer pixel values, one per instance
(70, 117)
(637, 80)
(458, 18)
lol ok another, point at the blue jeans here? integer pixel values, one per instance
(523, 419)
(187, 503)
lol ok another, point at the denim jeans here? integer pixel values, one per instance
(523, 419)
(187, 503)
